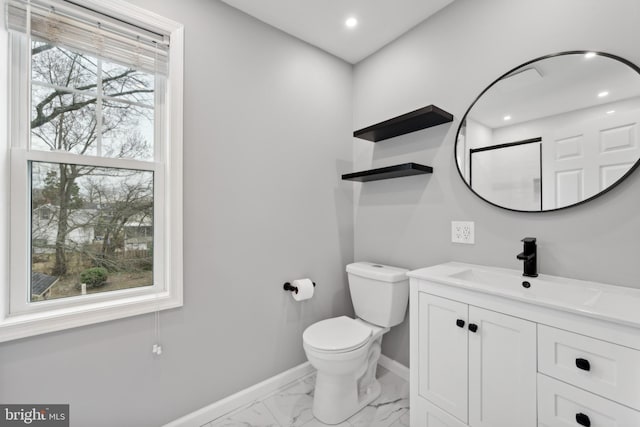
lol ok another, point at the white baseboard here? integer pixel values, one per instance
(241, 398)
(396, 367)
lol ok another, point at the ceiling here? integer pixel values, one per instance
(322, 22)
(554, 86)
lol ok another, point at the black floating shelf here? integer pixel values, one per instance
(422, 118)
(397, 171)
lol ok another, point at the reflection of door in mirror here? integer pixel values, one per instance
(589, 155)
(508, 174)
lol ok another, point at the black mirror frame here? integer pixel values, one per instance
(464, 119)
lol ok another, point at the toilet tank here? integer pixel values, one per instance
(379, 293)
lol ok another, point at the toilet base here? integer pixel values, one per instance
(334, 401)
(338, 397)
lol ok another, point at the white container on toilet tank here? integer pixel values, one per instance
(345, 351)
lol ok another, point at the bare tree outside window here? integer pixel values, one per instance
(89, 224)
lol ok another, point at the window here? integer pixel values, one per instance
(95, 157)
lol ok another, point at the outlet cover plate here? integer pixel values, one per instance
(463, 232)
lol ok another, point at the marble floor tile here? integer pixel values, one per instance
(403, 421)
(315, 423)
(392, 403)
(292, 407)
(254, 415)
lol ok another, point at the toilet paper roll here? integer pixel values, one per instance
(305, 289)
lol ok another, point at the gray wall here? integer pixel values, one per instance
(267, 121)
(447, 61)
(267, 125)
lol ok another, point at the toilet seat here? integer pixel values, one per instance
(337, 335)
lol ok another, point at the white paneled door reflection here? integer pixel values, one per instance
(582, 160)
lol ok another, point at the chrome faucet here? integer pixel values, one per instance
(530, 257)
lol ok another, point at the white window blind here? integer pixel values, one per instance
(69, 25)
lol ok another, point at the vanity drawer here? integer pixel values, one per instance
(606, 369)
(562, 405)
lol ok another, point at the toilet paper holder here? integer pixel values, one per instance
(289, 287)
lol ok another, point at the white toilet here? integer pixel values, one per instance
(345, 351)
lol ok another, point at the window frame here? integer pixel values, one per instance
(18, 317)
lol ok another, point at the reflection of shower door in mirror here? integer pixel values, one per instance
(508, 174)
(582, 160)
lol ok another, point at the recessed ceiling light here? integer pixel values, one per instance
(590, 55)
(351, 22)
(611, 111)
(603, 94)
(506, 118)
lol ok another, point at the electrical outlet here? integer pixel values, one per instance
(463, 232)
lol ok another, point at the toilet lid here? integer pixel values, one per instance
(336, 334)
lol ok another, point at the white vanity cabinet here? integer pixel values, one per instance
(490, 351)
(471, 362)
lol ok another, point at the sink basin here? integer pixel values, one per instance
(547, 288)
(615, 303)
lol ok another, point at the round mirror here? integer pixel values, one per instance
(555, 132)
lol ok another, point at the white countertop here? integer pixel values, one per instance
(617, 304)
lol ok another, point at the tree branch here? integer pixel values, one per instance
(41, 118)
(41, 48)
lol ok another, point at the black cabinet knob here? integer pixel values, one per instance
(583, 420)
(473, 327)
(583, 364)
(460, 323)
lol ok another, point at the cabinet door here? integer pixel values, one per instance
(502, 370)
(425, 414)
(443, 361)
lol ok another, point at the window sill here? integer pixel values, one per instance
(25, 325)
